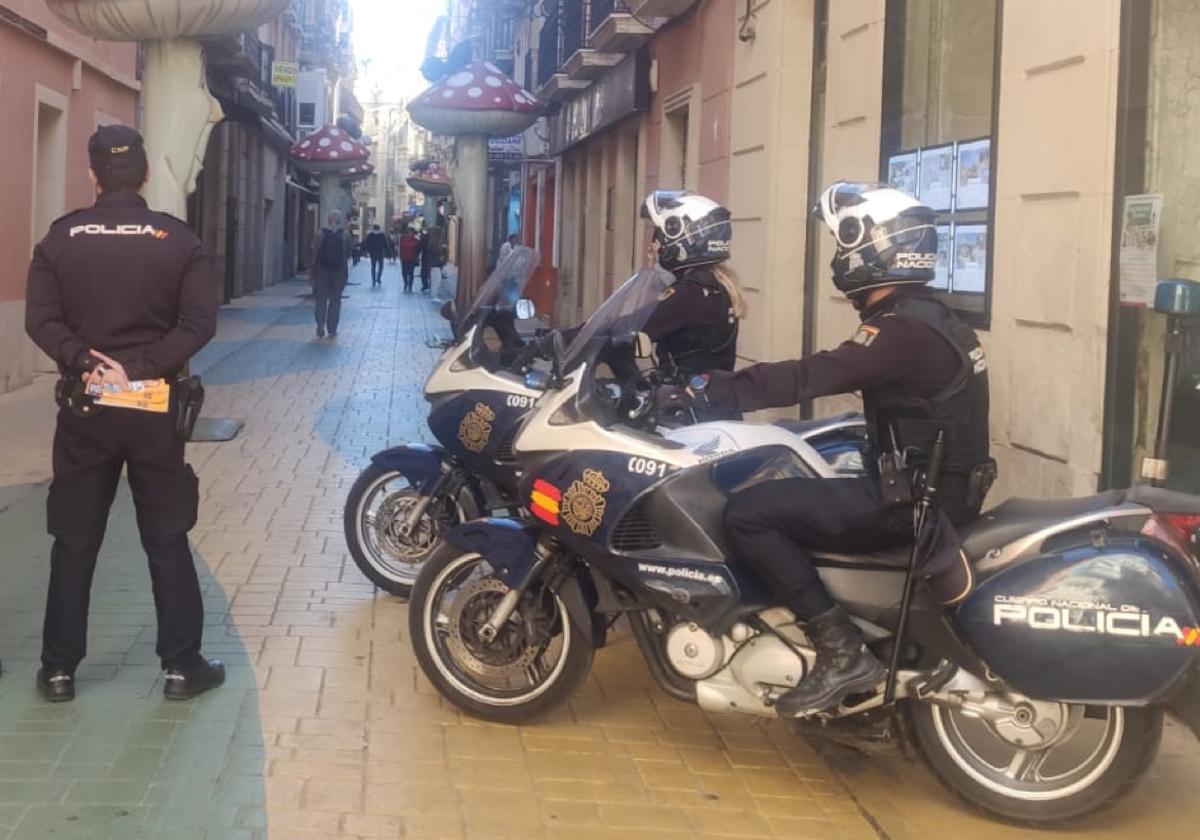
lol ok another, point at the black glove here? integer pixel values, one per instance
(669, 399)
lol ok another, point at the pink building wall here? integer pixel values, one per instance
(43, 60)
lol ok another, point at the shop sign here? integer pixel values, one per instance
(284, 73)
(622, 91)
(506, 148)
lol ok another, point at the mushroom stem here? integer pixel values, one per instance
(470, 188)
(332, 195)
(178, 115)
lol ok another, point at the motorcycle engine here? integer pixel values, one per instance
(694, 652)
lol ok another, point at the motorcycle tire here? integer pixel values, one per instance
(567, 675)
(395, 578)
(1121, 762)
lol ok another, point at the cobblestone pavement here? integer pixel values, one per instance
(326, 727)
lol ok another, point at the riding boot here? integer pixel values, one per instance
(844, 666)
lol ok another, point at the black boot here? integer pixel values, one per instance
(57, 685)
(844, 666)
(184, 685)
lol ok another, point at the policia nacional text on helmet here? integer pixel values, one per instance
(118, 293)
(920, 369)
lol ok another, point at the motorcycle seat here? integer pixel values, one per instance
(896, 557)
(1017, 517)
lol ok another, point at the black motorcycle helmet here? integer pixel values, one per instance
(690, 229)
(884, 237)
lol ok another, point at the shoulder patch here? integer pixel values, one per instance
(865, 335)
(670, 292)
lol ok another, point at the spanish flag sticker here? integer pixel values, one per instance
(544, 501)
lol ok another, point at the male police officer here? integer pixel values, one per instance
(920, 370)
(118, 293)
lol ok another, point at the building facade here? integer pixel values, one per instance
(56, 87)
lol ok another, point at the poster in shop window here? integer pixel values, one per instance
(1140, 221)
(942, 268)
(902, 172)
(970, 259)
(937, 177)
(974, 174)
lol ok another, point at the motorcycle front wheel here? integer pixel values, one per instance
(1039, 763)
(536, 661)
(377, 505)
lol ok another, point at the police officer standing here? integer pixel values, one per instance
(921, 371)
(118, 293)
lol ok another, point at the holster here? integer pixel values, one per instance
(895, 480)
(191, 400)
(979, 482)
(70, 394)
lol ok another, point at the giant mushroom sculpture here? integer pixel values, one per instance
(327, 153)
(472, 104)
(430, 179)
(179, 111)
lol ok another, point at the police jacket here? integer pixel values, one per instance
(919, 367)
(694, 325)
(120, 278)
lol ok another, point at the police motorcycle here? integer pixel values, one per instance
(399, 505)
(1039, 698)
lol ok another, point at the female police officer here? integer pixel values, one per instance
(118, 292)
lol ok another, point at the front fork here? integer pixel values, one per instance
(444, 483)
(544, 550)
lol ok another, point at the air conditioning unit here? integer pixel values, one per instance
(659, 8)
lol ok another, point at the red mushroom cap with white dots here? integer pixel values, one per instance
(357, 172)
(478, 99)
(329, 149)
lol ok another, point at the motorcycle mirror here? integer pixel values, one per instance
(537, 380)
(644, 346)
(525, 309)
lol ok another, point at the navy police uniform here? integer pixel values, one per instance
(138, 286)
(920, 369)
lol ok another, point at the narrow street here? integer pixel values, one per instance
(326, 727)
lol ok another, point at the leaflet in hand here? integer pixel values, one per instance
(152, 395)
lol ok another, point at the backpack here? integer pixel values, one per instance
(332, 253)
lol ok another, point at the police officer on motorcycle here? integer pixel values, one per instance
(695, 325)
(117, 294)
(921, 370)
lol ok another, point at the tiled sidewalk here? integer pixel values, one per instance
(327, 728)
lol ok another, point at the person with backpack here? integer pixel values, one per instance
(328, 273)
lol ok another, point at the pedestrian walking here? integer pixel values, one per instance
(433, 254)
(120, 297)
(410, 253)
(376, 247)
(505, 249)
(328, 273)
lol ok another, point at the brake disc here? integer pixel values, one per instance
(393, 510)
(509, 654)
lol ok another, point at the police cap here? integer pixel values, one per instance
(117, 150)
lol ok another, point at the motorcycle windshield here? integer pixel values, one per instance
(623, 315)
(505, 285)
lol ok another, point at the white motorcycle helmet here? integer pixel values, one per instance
(689, 229)
(884, 237)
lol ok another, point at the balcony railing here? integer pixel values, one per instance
(603, 8)
(574, 27)
(549, 44)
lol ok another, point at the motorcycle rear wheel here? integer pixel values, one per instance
(1104, 754)
(537, 661)
(376, 501)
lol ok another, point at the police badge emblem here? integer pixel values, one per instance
(583, 504)
(476, 427)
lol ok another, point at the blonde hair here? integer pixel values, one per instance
(728, 279)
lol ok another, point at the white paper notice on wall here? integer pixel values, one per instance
(1141, 217)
